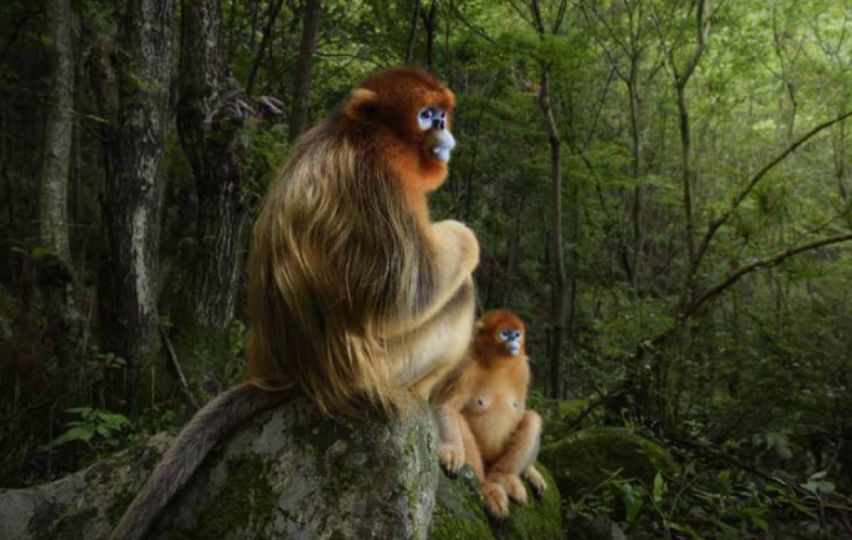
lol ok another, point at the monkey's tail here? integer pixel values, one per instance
(209, 425)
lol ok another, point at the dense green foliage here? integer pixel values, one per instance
(708, 285)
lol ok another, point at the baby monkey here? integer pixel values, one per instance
(486, 424)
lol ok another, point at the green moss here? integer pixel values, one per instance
(558, 415)
(561, 417)
(119, 504)
(459, 510)
(203, 349)
(244, 491)
(460, 513)
(580, 462)
(540, 519)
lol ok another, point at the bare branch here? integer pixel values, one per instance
(750, 185)
(771, 260)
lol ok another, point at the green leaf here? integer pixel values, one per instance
(632, 498)
(659, 488)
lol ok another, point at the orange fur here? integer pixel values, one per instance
(490, 398)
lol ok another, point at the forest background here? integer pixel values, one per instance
(662, 190)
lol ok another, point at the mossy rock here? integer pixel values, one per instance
(289, 473)
(460, 513)
(580, 462)
(560, 417)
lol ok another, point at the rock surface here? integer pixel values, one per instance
(460, 513)
(289, 474)
(581, 461)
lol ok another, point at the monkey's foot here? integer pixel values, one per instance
(538, 484)
(496, 501)
(451, 458)
(512, 485)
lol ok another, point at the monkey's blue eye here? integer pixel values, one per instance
(424, 118)
(504, 335)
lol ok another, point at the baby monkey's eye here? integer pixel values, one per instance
(504, 335)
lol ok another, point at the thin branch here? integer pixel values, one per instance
(272, 15)
(771, 260)
(412, 36)
(184, 386)
(470, 26)
(750, 185)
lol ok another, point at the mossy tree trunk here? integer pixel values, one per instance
(210, 114)
(53, 193)
(131, 84)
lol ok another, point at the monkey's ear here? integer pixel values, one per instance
(360, 103)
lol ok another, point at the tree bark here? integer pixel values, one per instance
(207, 137)
(429, 20)
(299, 109)
(132, 90)
(636, 206)
(53, 196)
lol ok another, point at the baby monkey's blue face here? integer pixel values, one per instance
(511, 339)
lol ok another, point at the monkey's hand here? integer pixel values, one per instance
(451, 458)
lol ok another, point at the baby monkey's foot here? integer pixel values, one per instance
(512, 484)
(535, 479)
(496, 501)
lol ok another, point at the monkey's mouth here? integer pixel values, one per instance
(443, 144)
(513, 349)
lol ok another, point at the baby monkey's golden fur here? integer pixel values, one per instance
(485, 423)
(354, 294)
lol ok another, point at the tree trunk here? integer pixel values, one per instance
(636, 207)
(429, 19)
(274, 9)
(53, 196)
(137, 108)
(412, 36)
(310, 27)
(207, 138)
(686, 181)
(558, 306)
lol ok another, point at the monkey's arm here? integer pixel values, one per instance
(450, 399)
(455, 255)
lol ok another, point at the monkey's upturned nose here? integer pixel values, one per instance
(439, 123)
(444, 143)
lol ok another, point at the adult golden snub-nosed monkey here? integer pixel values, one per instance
(354, 294)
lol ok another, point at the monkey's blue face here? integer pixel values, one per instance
(511, 338)
(439, 141)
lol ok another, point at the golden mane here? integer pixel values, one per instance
(335, 255)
